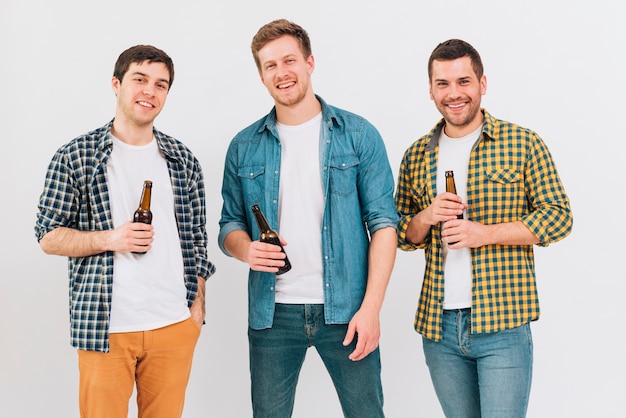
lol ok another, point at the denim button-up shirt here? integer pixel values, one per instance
(358, 189)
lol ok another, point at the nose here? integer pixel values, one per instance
(281, 70)
(147, 91)
(455, 91)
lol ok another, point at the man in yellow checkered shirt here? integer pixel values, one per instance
(479, 292)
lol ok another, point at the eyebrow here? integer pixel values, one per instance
(467, 77)
(163, 80)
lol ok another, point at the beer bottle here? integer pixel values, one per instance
(270, 236)
(451, 187)
(143, 213)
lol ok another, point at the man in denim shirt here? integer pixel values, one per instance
(322, 178)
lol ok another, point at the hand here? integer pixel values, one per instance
(262, 256)
(365, 325)
(198, 307)
(463, 233)
(446, 207)
(131, 236)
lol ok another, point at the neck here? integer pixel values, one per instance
(300, 112)
(132, 134)
(453, 131)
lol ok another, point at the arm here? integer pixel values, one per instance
(132, 236)
(473, 234)
(547, 220)
(366, 322)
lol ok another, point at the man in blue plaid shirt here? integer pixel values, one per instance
(135, 318)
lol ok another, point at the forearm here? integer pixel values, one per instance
(74, 243)
(237, 243)
(382, 255)
(510, 233)
(417, 230)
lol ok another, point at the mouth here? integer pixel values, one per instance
(286, 85)
(456, 106)
(145, 104)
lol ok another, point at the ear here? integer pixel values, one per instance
(311, 63)
(483, 85)
(115, 85)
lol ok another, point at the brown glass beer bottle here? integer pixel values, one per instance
(143, 213)
(451, 187)
(270, 236)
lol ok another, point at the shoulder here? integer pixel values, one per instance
(172, 147)
(255, 129)
(498, 128)
(87, 144)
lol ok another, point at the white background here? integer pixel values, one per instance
(554, 67)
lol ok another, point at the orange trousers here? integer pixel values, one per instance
(157, 361)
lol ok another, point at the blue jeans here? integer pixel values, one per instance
(277, 355)
(480, 375)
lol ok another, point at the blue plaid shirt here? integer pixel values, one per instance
(76, 196)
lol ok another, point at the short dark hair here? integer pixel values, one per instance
(138, 54)
(453, 49)
(275, 30)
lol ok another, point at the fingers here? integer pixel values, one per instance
(131, 237)
(364, 346)
(366, 341)
(265, 257)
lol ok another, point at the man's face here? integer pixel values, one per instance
(142, 92)
(457, 92)
(284, 70)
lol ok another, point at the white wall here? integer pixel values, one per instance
(551, 66)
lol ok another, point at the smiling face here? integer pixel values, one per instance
(457, 91)
(285, 71)
(141, 93)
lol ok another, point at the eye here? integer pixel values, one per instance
(162, 86)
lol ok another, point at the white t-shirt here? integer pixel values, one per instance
(454, 155)
(148, 289)
(301, 208)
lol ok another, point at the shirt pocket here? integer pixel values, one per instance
(504, 193)
(252, 182)
(504, 175)
(343, 174)
(419, 194)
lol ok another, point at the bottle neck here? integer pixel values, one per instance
(261, 221)
(146, 197)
